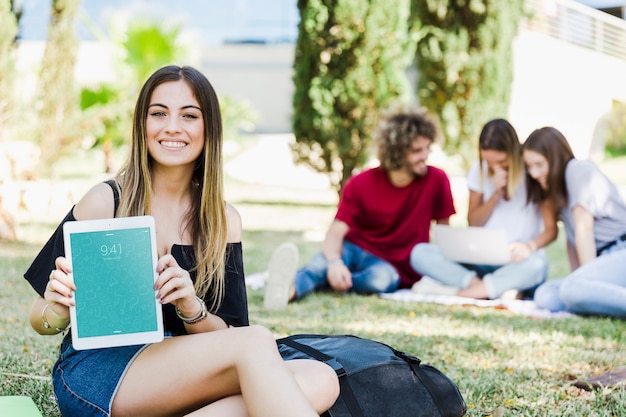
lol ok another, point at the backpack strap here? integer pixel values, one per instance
(432, 388)
(314, 353)
(116, 194)
(436, 392)
(344, 385)
(440, 391)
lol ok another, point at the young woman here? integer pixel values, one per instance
(594, 217)
(206, 367)
(497, 199)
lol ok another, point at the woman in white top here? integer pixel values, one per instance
(594, 218)
(497, 200)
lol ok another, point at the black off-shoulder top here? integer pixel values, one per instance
(233, 309)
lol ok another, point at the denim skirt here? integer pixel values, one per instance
(85, 381)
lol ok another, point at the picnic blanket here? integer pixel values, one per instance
(523, 307)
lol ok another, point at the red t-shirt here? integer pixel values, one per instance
(388, 221)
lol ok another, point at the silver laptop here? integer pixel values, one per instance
(472, 245)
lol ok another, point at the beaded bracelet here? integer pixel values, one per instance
(198, 317)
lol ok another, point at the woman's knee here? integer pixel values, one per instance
(318, 381)
(573, 293)
(538, 265)
(328, 383)
(252, 341)
(547, 296)
(260, 334)
(420, 254)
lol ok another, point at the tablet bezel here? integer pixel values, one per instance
(103, 225)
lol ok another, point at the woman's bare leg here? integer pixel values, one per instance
(317, 380)
(186, 373)
(232, 406)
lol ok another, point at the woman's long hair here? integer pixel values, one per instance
(206, 219)
(552, 145)
(499, 135)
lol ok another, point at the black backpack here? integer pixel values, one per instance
(377, 380)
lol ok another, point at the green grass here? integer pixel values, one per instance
(504, 364)
(25, 357)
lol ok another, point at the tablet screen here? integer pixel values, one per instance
(114, 269)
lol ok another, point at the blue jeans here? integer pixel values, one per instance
(370, 274)
(598, 287)
(85, 381)
(427, 259)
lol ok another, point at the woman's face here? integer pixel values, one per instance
(496, 160)
(537, 167)
(174, 125)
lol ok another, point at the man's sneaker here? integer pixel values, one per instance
(281, 275)
(427, 285)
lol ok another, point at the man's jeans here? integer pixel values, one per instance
(370, 274)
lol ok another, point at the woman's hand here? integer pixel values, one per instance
(174, 286)
(500, 181)
(59, 293)
(519, 251)
(50, 314)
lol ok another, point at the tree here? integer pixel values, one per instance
(8, 33)
(144, 46)
(58, 98)
(465, 63)
(9, 18)
(149, 46)
(350, 61)
(106, 110)
(616, 125)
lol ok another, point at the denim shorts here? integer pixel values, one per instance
(85, 381)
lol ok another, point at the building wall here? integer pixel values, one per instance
(259, 74)
(565, 86)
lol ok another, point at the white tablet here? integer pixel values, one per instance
(114, 267)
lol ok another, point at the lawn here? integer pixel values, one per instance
(504, 364)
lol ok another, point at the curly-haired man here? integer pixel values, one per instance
(382, 214)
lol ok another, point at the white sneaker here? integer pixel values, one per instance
(427, 285)
(282, 273)
(511, 295)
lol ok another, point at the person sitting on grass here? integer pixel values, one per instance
(497, 200)
(594, 216)
(383, 212)
(211, 363)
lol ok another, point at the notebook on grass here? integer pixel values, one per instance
(472, 245)
(18, 406)
(114, 268)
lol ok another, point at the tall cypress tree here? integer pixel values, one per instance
(350, 61)
(8, 34)
(465, 64)
(58, 97)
